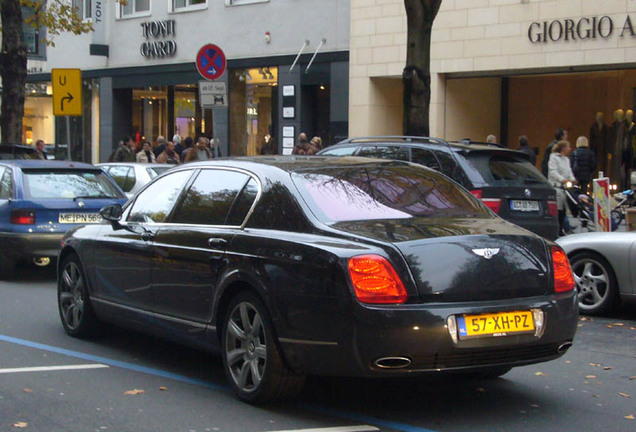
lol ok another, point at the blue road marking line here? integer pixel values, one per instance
(374, 421)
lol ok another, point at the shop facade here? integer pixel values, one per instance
(505, 67)
(140, 77)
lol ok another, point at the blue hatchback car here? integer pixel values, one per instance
(41, 200)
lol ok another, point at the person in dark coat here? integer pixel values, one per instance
(583, 162)
(559, 135)
(524, 147)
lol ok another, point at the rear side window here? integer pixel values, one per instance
(505, 170)
(243, 204)
(124, 176)
(155, 171)
(6, 183)
(209, 200)
(385, 152)
(372, 192)
(56, 184)
(425, 157)
(451, 169)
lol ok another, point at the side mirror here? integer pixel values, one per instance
(111, 213)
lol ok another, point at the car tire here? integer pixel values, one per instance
(252, 358)
(596, 283)
(77, 315)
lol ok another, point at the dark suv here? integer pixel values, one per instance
(503, 179)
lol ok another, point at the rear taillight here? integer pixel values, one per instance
(563, 277)
(23, 217)
(493, 204)
(552, 208)
(375, 280)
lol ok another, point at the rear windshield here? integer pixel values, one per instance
(386, 191)
(68, 184)
(506, 170)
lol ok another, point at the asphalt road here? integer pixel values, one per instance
(124, 381)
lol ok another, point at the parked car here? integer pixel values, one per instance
(603, 265)
(17, 151)
(41, 200)
(503, 179)
(132, 176)
(325, 266)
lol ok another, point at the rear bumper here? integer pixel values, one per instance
(547, 227)
(31, 245)
(419, 333)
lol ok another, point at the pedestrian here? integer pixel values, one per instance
(111, 158)
(491, 139)
(126, 153)
(560, 135)
(559, 174)
(302, 145)
(201, 151)
(524, 147)
(315, 145)
(146, 155)
(187, 145)
(215, 147)
(39, 147)
(176, 138)
(583, 162)
(161, 145)
(169, 156)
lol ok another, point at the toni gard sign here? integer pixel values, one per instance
(160, 41)
(586, 28)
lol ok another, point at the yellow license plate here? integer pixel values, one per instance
(500, 324)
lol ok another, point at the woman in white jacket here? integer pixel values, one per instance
(559, 173)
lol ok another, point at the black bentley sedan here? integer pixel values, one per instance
(290, 266)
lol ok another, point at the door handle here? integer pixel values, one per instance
(217, 243)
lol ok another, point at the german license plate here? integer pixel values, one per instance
(524, 205)
(493, 325)
(79, 218)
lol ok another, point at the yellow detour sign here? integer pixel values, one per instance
(67, 92)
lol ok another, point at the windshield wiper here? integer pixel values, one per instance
(93, 197)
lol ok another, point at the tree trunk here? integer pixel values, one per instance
(417, 72)
(13, 70)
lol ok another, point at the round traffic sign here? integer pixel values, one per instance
(211, 62)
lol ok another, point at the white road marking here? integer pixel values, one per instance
(362, 428)
(53, 368)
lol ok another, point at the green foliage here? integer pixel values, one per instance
(57, 16)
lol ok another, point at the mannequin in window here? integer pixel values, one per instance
(615, 149)
(599, 140)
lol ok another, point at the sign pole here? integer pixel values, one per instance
(68, 137)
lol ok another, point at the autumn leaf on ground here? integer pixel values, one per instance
(481, 389)
(20, 425)
(163, 388)
(590, 376)
(134, 392)
(632, 328)
(595, 364)
(609, 326)
(608, 368)
(585, 319)
(28, 390)
(534, 406)
(617, 324)
(630, 417)
(539, 374)
(625, 395)
(632, 378)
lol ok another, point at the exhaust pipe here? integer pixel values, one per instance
(42, 261)
(564, 347)
(392, 362)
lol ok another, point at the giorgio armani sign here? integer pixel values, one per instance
(587, 28)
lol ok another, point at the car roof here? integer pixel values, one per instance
(465, 146)
(48, 164)
(139, 164)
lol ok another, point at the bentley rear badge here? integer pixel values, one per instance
(486, 252)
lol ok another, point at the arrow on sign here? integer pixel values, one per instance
(68, 97)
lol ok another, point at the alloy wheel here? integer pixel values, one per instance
(593, 283)
(72, 295)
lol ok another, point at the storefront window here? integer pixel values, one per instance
(38, 121)
(150, 113)
(253, 101)
(185, 110)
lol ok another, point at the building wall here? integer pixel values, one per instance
(481, 38)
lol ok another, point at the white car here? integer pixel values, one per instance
(132, 176)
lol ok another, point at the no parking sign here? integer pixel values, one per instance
(211, 62)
